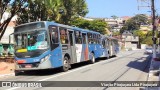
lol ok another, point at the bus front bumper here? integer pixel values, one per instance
(34, 66)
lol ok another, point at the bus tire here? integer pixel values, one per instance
(66, 64)
(93, 58)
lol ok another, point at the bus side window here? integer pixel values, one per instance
(78, 37)
(63, 36)
(103, 43)
(84, 38)
(53, 32)
(24, 42)
(106, 42)
(111, 42)
(94, 38)
(90, 38)
(99, 39)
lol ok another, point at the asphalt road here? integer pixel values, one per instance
(127, 66)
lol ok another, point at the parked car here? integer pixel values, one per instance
(148, 50)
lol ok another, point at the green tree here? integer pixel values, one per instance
(99, 26)
(148, 41)
(72, 9)
(116, 33)
(149, 33)
(148, 38)
(12, 8)
(124, 28)
(130, 25)
(135, 22)
(81, 23)
(141, 19)
(62, 11)
(140, 34)
(36, 11)
(3, 6)
(95, 25)
(53, 8)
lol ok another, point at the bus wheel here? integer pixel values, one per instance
(66, 64)
(93, 58)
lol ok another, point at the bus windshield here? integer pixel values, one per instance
(31, 44)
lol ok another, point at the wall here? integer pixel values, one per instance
(143, 46)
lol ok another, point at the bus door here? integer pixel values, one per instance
(85, 47)
(72, 46)
(110, 47)
(114, 47)
(78, 45)
(104, 48)
(56, 52)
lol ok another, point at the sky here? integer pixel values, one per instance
(108, 8)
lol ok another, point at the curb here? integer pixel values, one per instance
(152, 72)
(152, 76)
(10, 74)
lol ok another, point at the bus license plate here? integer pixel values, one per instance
(28, 66)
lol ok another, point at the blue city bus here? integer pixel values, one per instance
(110, 45)
(105, 45)
(47, 45)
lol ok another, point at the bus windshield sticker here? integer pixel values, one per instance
(22, 50)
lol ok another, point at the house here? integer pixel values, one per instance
(116, 23)
(145, 28)
(130, 41)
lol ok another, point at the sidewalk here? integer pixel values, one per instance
(153, 74)
(6, 69)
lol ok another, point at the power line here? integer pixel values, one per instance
(143, 4)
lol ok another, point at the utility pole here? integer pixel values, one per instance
(153, 29)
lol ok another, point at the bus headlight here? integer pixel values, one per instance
(45, 58)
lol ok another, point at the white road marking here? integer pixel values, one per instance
(13, 88)
(64, 73)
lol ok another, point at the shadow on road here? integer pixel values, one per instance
(51, 71)
(56, 70)
(141, 64)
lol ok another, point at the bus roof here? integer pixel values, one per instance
(109, 37)
(57, 24)
(85, 30)
(30, 23)
(73, 27)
